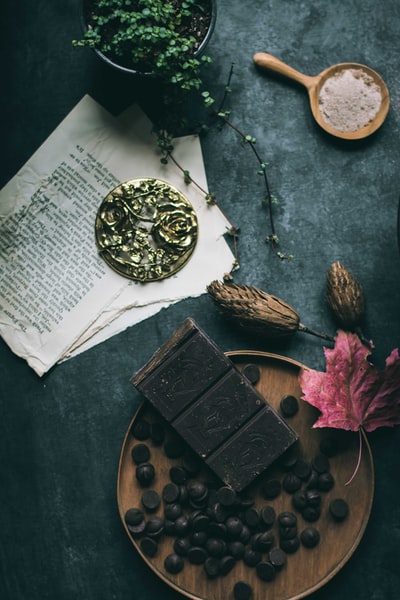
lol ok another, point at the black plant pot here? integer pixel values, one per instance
(134, 71)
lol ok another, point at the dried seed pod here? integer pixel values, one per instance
(345, 297)
(256, 311)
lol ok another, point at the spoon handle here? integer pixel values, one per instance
(267, 61)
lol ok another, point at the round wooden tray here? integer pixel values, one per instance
(307, 569)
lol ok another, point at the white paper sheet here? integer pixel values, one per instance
(57, 297)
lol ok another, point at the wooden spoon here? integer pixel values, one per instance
(314, 85)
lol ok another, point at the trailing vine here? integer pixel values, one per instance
(221, 117)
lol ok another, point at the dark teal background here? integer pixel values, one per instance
(61, 435)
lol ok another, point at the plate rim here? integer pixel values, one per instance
(333, 572)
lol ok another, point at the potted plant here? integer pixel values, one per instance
(162, 38)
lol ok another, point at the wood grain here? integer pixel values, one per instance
(307, 569)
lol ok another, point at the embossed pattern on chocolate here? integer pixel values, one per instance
(218, 413)
(213, 407)
(248, 452)
(180, 379)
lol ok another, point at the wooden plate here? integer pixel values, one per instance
(305, 570)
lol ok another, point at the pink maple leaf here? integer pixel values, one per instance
(353, 393)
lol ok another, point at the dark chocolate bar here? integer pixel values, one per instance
(213, 407)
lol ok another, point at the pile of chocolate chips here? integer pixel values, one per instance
(211, 525)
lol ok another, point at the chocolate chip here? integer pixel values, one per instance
(311, 513)
(245, 501)
(299, 500)
(236, 549)
(251, 557)
(252, 518)
(140, 454)
(325, 482)
(135, 521)
(151, 500)
(198, 538)
(287, 533)
(173, 563)
(182, 545)
(291, 483)
(145, 473)
(289, 406)
(312, 482)
(320, 463)
(141, 429)
(245, 535)
(170, 492)
(149, 546)
(290, 546)
(172, 511)
(242, 591)
(218, 512)
(252, 372)
(183, 494)
(267, 515)
(197, 555)
(339, 509)
(265, 571)
(199, 521)
(226, 565)
(226, 496)
(302, 469)
(170, 528)
(262, 542)
(313, 498)
(211, 567)
(287, 519)
(216, 547)
(288, 459)
(197, 490)
(134, 516)
(234, 527)
(181, 525)
(155, 527)
(271, 488)
(178, 475)
(310, 537)
(216, 530)
(277, 557)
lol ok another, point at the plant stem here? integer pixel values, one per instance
(217, 115)
(324, 336)
(360, 447)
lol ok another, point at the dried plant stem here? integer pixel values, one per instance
(252, 145)
(219, 116)
(368, 343)
(360, 447)
(324, 336)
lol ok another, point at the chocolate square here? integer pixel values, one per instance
(184, 376)
(213, 407)
(221, 411)
(252, 449)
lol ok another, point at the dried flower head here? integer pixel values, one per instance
(345, 297)
(256, 311)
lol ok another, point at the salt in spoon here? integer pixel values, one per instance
(313, 84)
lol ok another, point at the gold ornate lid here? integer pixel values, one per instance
(146, 229)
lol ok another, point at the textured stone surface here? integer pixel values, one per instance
(61, 435)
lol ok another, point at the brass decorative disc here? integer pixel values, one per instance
(146, 229)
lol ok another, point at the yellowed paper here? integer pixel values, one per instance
(55, 292)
